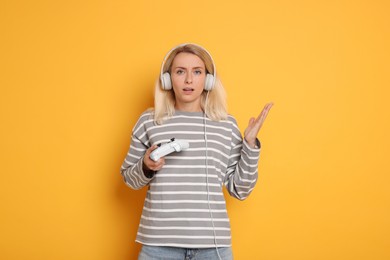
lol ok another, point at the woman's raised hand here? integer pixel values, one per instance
(254, 126)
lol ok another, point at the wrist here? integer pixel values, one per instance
(251, 143)
(147, 172)
(254, 144)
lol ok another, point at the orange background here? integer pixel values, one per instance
(75, 75)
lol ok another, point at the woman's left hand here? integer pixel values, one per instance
(254, 126)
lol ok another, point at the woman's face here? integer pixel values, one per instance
(188, 74)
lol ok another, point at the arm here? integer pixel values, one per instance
(242, 174)
(138, 169)
(132, 168)
(242, 170)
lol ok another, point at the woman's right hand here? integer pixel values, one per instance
(149, 163)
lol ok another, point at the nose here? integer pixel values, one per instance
(188, 78)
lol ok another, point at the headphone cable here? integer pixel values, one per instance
(207, 179)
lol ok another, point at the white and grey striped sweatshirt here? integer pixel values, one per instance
(184, 203)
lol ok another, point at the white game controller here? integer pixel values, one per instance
(173, 146)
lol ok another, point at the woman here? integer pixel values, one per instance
(184, 214)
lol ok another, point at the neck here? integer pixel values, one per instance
(188, 107)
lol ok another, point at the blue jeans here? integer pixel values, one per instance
(177, 253)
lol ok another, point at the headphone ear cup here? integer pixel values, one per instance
(209, 83)
(166, 81)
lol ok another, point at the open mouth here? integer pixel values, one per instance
(188, 90)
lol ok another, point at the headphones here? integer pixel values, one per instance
(165, 77)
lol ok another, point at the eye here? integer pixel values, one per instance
(198, 72)
(179, 72)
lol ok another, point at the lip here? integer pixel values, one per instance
(188, 90)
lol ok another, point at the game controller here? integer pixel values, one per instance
(165, 149)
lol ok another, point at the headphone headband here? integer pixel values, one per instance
(166, 79)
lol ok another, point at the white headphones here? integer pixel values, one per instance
(165, 77)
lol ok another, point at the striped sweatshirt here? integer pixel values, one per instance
(184, 205)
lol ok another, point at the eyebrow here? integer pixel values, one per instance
(186, 68)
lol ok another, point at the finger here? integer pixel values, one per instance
(250, 125)
(251, 120)
(265, 111)
(262, 116)
(150, 150)
(147, 160)
(149, 163)
(159, 164)
(262, 113)
(154, 166)
(153, 147)
(268, 108)
(160, 161)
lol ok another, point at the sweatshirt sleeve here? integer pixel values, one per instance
(242, 170)
(132, 170)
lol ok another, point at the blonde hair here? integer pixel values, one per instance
(164, 100)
